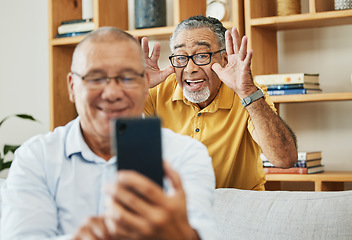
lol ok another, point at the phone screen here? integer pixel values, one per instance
(138, 146)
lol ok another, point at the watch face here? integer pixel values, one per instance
(217, 10)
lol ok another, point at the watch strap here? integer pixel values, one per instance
(252, 98)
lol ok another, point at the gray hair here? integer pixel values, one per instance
(201, 21)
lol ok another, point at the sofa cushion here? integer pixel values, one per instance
(244, 214)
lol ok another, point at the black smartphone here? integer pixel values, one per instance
(138, 146)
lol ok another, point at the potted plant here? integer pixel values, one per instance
(11, 148)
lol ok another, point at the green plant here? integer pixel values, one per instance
(11, 148)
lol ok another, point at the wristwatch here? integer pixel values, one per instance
(218, 9)
(252, 98)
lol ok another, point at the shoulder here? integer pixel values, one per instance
(51, 138)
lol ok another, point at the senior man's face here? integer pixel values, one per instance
(98, 105)
(200, 84)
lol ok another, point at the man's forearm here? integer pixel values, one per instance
(272, 134)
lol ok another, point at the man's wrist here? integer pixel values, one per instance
(252, 98)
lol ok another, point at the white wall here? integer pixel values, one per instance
(323, 126)
(23, 68)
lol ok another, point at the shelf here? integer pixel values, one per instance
(308, 20)
(330, 180)
(158, 33)
(319, 97)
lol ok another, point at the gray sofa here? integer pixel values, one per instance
(244, 214)
(247, 215)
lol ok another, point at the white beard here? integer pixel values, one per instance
(197, 97)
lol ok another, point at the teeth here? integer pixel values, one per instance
(195, 81)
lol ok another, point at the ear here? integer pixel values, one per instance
(70, 84)
(225, 59)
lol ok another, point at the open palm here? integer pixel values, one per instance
(237, 72)
(155, 74)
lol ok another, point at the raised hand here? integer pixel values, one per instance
(155, 74)
(237, 73)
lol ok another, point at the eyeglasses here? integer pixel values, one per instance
(200, 59)
(127, 80)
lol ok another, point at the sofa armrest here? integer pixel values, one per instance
(244, 214)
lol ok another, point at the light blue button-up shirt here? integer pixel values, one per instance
(56, 182)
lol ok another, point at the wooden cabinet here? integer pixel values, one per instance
(261, 26)
(326, 181)
(106, 13)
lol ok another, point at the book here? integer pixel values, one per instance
(294, 170)
(288, 78)
(76, 27)
(293, 91)
(73, 34)
(302, 156)
(299, 163)
(309, 155)
(76, 21)
(293, 86)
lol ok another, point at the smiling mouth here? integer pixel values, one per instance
(191, 82)
(194, 85)
(113, 112)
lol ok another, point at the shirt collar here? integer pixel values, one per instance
(75, 144)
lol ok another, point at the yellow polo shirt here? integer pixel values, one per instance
(223, 126)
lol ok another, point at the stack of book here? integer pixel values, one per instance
(307, 163)
(72, 28)
(290, 83)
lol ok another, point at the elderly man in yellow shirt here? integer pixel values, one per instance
(209, 94)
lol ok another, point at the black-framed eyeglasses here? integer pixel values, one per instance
(128, 79)
(200, 59)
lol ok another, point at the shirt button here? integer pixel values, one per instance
(199, 114)
(197, 129)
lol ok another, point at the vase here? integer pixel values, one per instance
(288, 7)
(149, 13)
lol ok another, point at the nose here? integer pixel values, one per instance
(191, 67)
(112, 91)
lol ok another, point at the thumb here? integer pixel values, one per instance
(166, 72)
(217, 68)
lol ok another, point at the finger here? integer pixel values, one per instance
(117, 230)
(236, 39)
(243, 49)
(122, 221)
(229, 43)
(248, 59)
(129, 200)
(156, 52)
(141, 185)
(217, 68)
(145, 47)
(167, 72)
(94, 228)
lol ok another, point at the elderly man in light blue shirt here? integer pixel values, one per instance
(55, 187)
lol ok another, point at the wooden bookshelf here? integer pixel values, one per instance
(303, 98)
(107, 13)
(325, 181)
